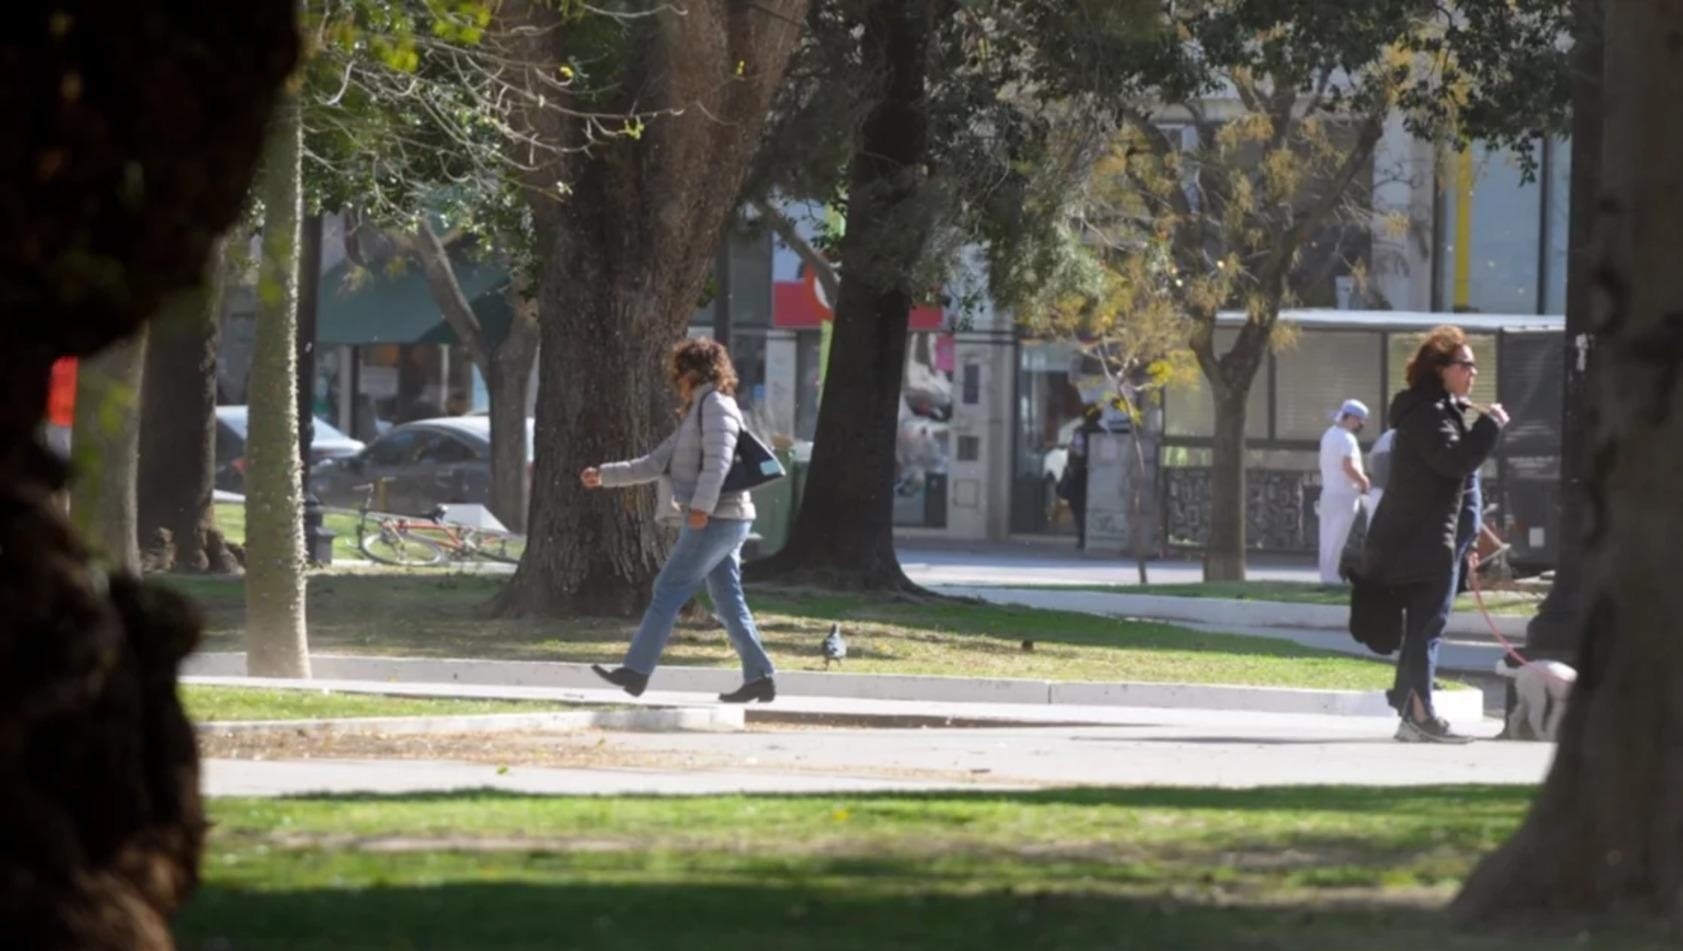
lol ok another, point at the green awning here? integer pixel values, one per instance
(395, 307)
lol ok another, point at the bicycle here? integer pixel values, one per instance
(414, 543)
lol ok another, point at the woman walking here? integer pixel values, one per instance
(1412, 547)
(695, 459)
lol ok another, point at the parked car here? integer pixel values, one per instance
(423, 464)
(326, 442)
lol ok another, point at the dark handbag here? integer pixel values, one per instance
(751, 466)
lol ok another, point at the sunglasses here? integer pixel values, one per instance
(1469, 364)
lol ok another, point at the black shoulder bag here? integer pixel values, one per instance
(751, 466)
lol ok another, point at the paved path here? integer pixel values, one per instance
(1123, 746)
(932, 561)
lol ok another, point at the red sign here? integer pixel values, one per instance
(800, 304)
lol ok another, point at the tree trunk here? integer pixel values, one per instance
(275, 637)
(1553, 633)
(508, 376)
(104, 443)
(133, 133)
(620, 270)
(1224, 550)
(843, 535)
(595, 553)
(178, 432)
(1138, 528)
(1606, 831)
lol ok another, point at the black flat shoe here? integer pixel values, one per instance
(764, 690)
(624, 678)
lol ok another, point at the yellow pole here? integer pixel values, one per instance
(1461, 297)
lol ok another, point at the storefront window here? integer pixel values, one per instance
(748, 354)
(1189, 412)
(1318, 373)
(1049, 407)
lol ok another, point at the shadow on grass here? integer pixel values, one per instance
(834, 915)
(1367, 800)
(445, 615)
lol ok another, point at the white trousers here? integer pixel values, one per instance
(1338, 516)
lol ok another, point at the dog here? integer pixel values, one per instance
(1541, 691)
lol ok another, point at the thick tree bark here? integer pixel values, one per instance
(1606, 831)
(595, 553)
(104, 442)
(1553, 633)
(133, 133)
(177, 521)
(843, 535)
(276, 643)
(623, 259)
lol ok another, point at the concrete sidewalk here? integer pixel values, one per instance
(932, 560)
(1025, 693)
(1112, 746)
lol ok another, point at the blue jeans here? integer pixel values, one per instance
(714, 555)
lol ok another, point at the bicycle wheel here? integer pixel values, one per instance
(400, 548)
(504, 548)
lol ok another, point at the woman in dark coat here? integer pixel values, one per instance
(1411, 545)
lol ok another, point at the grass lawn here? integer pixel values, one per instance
(209, 704)
(230, 518)
(1520, 603)
(440, 615)
(1299, 869)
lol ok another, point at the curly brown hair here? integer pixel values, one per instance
(1440, 348)
(708, 360)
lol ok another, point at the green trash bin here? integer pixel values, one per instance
(774, 509)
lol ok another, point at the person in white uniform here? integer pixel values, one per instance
(1343, 483)
(1378, 470)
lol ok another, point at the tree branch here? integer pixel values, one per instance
(430, 253)
(809, 255)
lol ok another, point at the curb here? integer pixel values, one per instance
(1453, 704)
(1215, 611)
(652, 720)
(647, 719)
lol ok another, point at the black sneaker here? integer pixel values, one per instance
(1432, 730)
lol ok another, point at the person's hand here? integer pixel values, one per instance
(1497, 413)
(1366, 485)
(591, 477)
(698, 519)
